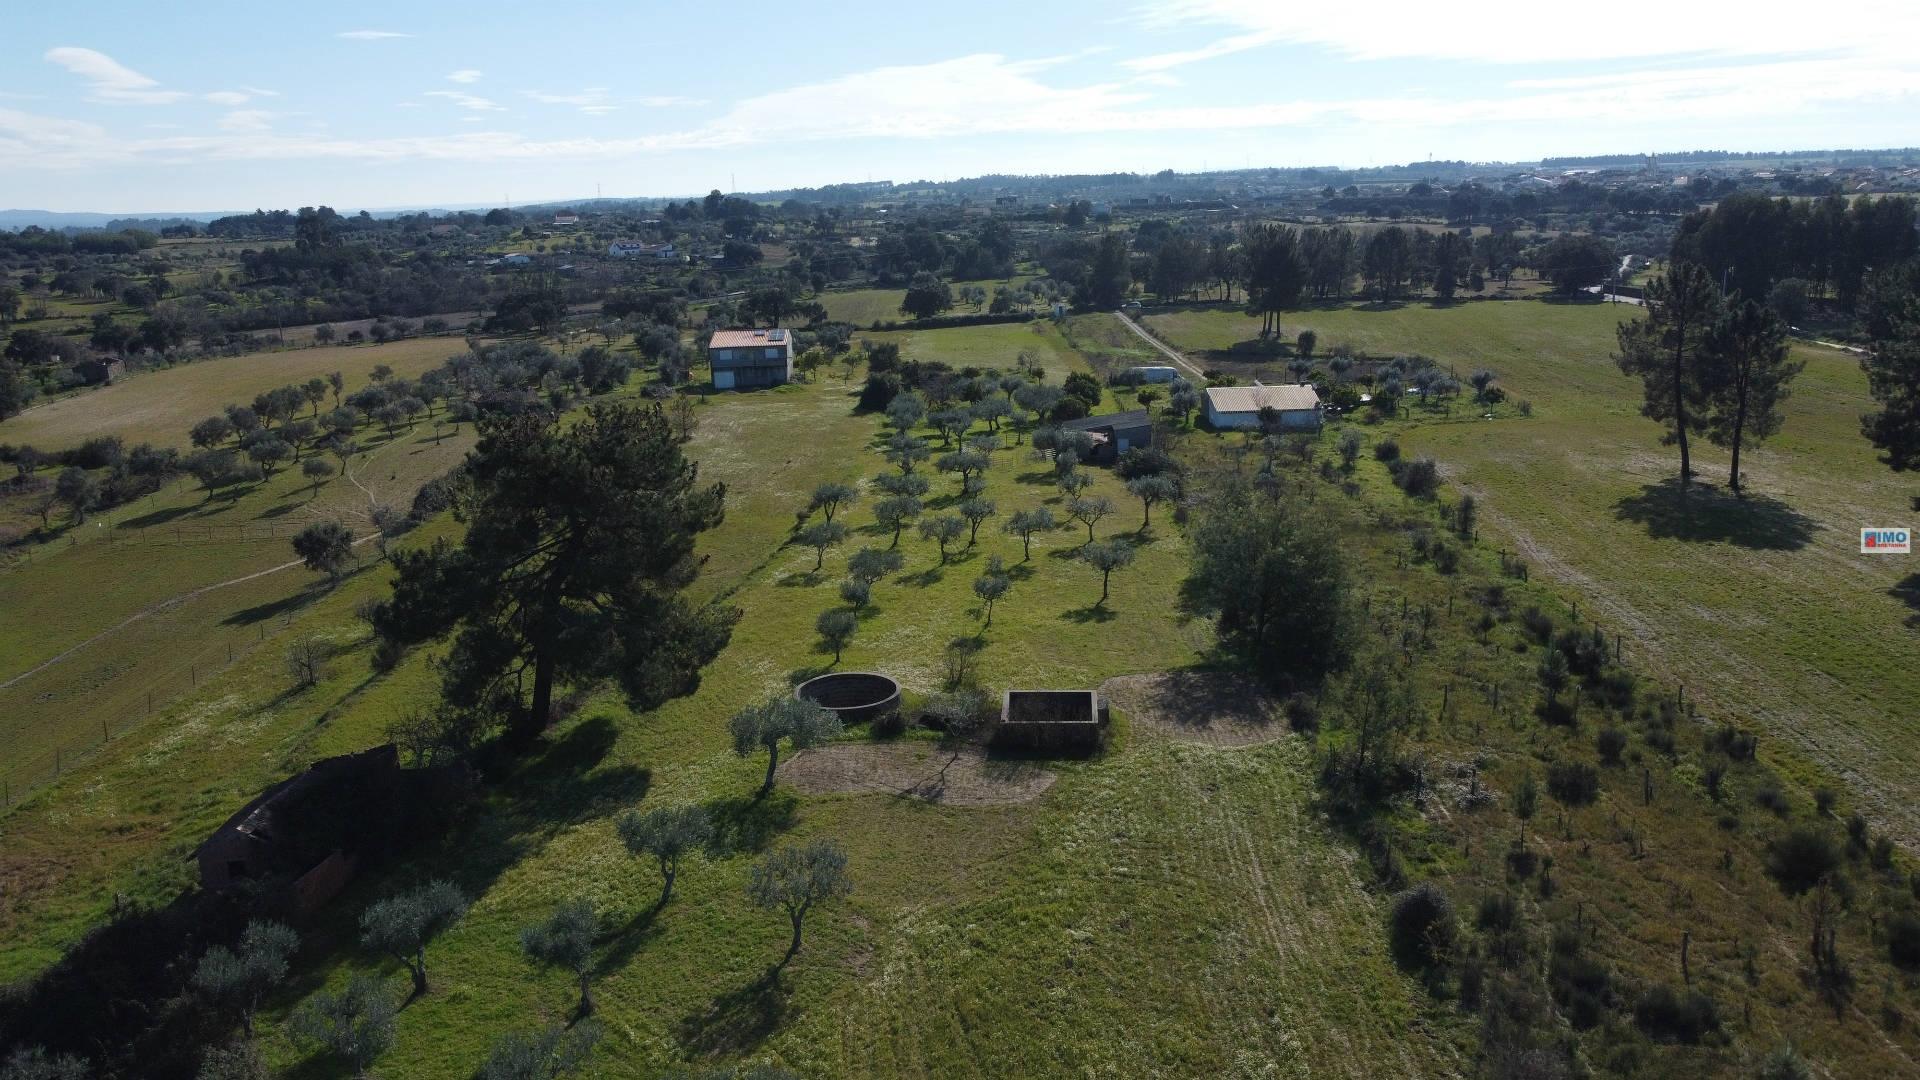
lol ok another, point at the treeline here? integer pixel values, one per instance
(36, 241)
(1831, 244)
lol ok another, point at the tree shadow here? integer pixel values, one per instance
(1095, 613)
(932, 575)
(277, 511)
(743, 823)
(262, 612)
(1907, 591)
(157, 517)
(1041, 476)
(1702, 513)
(800, 581)
(1020, 571)
(737, 1021)
(567, 784)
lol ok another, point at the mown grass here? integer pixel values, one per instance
(1762, 606)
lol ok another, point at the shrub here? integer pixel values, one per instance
(1386, 450)
(1800, 857)
(1903, 939)
(1574, 783)
(1419, 479)
(1538, 624)
(1770, 797)
(1446, 558)
(1611, 742)
(1581, 983)
(1303, 712)
(1422, 928)
(1497, 912)
(1665, 1013)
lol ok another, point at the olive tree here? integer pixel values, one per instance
(1024, 523)
(1089, 511)
(783, 718)
(559, 1050)
(566, 941)
(355, 1024)
(836, 627)
(1150, 490)
(943, 530)
(794, 879)
(1106, 557)
(667, 834)
(237, 979)
(990, 587)
(820, 536)
(402, 926)
(830, 497)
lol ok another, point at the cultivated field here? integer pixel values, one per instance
(864, 307)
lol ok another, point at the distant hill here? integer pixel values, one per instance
(55, 219)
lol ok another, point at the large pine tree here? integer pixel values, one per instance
(1746, 360)
(578, 545)
(1665, 351)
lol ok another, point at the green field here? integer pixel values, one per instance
(1106, 860)
(1762, 607)
(162, 412)
(1171, 907)
(864, 307)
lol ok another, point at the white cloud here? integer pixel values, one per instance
(227, 97)
(470, 102)
(1400, 29)
(247, 120)
(370, 35)
(112, 82)
(464, 75)
(667, 101)
(257, 92)
(987, 94)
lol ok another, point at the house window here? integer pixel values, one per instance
(773, 354)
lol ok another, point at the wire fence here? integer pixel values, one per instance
(22, 774)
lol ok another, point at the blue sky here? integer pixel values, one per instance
(133, 107)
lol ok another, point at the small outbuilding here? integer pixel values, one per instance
(1051, 720)
(300, 830)
(1114, 433)
(1298, 407)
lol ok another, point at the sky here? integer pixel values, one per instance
(122, 107)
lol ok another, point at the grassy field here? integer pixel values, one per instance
(975, 977)
(162, 412)
(1166, 908)
(1762, 607)
(864, 307)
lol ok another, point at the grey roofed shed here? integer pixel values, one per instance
(1114, 433)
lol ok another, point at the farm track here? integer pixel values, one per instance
(192, 594)
(1166, 350)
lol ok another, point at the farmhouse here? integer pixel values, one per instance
(1152, 374)
(100, 372)
(1298, 407)
(566, 221)
(742, 359)
(1114, 433)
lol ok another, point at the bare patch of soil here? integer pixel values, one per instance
(918, 770)
(1214, 708)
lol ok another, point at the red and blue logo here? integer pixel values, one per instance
(1886, 541)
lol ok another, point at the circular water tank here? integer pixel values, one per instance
(856, 696)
